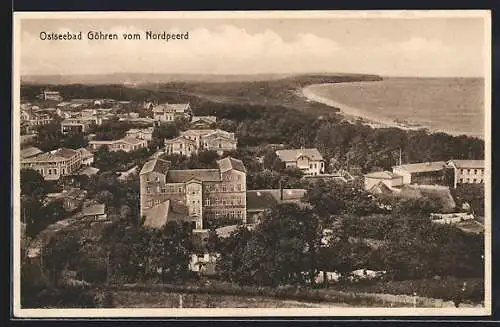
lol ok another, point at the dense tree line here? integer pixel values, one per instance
(285, 249)
(35, 213)
(50, 137)
(115, 161)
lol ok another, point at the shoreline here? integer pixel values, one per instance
(352, 114)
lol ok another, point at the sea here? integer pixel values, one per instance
(451, 105)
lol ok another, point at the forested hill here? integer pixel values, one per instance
(145, 78)
(283, 91)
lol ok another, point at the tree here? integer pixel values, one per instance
(32, 183)
(60, 253)
(283, 249)
(74, 141)
(229, 266)
(162, 132)
(337, 198)
(49, 136)
(273, 162)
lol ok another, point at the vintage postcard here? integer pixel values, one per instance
(251, 164)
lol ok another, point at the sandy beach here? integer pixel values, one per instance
(352, 114)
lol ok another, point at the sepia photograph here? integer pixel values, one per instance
(251, 164)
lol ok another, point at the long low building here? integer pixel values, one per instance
(54, 164)
(126, 144)
(451, 174)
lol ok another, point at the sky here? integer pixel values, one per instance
(385, 46)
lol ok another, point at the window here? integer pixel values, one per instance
(223, 202)
(179, 190)
(163, 189)
(311, 166)
(474, 180)
(148, 189)
(223, 188)
(171, 189)
(207, 202)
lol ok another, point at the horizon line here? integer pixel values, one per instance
(254, 74)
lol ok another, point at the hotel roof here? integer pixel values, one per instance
(382, 175)
(229, 163)
(55, 155)
(293, 154)
(30, 152)
(467, 163)
(210, 119)
(202, 175)
(89, 171)
(182, 139)
(169, 107)
(94, 209)
(160, 214)
(158, 165)
(263, 199)
(84, 152)
(422, 167)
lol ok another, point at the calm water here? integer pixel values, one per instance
(455, 105)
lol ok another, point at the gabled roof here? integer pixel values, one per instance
(132, 140)
(55, 155)
(260, 200)
(158, 165)
(214, 137)
(197, 132)
(460, 164)
(202, 175)
(263, 199)
(422, 167)
(89, 171)
(382, 175)
(160, 214)
(171, 107)
(293, 154)
(229, 163)
(84, 152)
(218, 133)
(380, 188)
(93, 210)
(30, 152)
(182, 139)
(208, 119)
(140, 130)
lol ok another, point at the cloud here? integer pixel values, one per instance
(228, 49)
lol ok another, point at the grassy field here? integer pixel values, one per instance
(141, 299)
